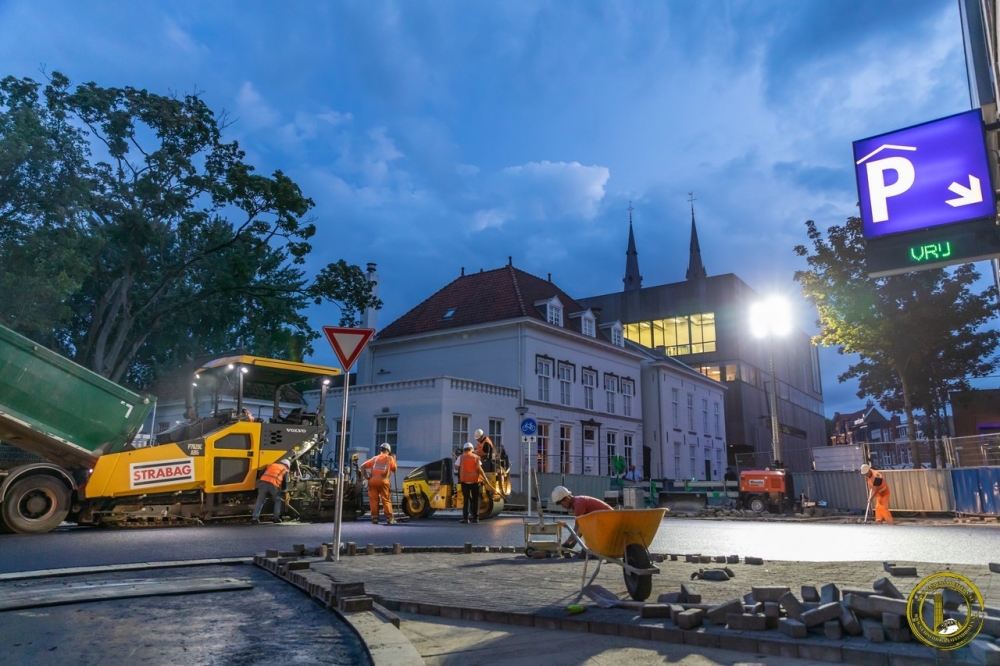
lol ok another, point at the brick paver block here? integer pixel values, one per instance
(873, 631)
(900, 635)
(792, 628)
(829, 593)
(809, 593)
(893, 620)
(885, 588)
(833, 630)
(746, 622)
(769, 593)
(880, 604)
(821, 615)
(985, 652)
(717, 614)
(849, 621)
(793, 608)
(995, 567)
(689, 619)
(689, 594)
(355, 604)
(735, 559)
(655, 610)
(861, 607)
(820, 652)
(669, 598)
(753, 560)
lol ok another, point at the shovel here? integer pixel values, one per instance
(868, 506)
(605, 598)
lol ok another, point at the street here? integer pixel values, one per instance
(776, 540)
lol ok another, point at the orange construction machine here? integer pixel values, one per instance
(766, 490)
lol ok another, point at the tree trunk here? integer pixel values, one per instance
(911, 430)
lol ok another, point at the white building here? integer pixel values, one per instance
(494, 345)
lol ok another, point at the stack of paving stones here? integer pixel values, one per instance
(828, 623)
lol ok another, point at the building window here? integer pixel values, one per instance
(565, 443)
(694, 455)
(675, 396)
(627, 442)
(704, 416)
(708, 458)
(565, 383)
(628, 390)
(718, 421)
(386, 430)
(347, 435)
(690, 406)
(718, 456)
(677, 460)
(690, 334)
(542, 448)
(496, 433)
(587, 327)
(617, 339)
(459, 431)
(589, 380)
(555, 314)
(610, 388)
(162, 426)
(543, 368)
(612, 451)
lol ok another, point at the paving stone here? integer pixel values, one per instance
(733, 559)
(809, 593)
(701, 638)
(833, 630)
(900, 635)
(829, 593)
(573, 624)
(793, 608)
(778, 648)
(706, 559)
(861, 607)
(729, 572)
(689, 619)
(714, 574)
(655, 610)
(863, 656)
(605, 628)
(746, 622)
(809, 605)
(849, 621)
(873, 631)
(692, 558)
(792, 628)
(719, 559)
(637, 631)
(355, 604)
(994, 566)
(768, 593)
(669, 598)
(880, 604)
(985, 652)
(689, 594)
(675, 610)
(858, 592)
(738, 642)
(455, 613)
(543, 622)
(753, 560)
(820, 652)
(893, 620)
(717, 614)
(666, 634)
(885, 588)
(824, 613)
(894, 570)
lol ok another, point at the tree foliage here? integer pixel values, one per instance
(918, 335)
(164, 242)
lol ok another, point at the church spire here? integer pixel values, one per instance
(696, 270)
(632, 279)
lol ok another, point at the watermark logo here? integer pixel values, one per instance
(945, 611)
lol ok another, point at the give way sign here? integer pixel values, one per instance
(348, 343)
(924, 176)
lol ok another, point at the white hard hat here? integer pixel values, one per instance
(385, 446)
(865, 468)
(478, 434)
(559, 493)
(468, 446)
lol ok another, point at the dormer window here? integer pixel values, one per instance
(615, 332)
(555, 314)
(587, 326)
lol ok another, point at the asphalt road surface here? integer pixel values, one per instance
(797, 541)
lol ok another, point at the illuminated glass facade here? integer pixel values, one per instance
(679, 336)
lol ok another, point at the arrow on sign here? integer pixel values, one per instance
(966, 195)
(348, 343)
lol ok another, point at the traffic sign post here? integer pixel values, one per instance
(347, 343)
(926, 196)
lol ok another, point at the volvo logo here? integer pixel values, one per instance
(302, 430)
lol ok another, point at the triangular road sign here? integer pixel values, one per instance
(348, 343)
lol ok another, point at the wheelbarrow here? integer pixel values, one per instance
(623, 538)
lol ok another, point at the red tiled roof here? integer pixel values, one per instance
(482, 298)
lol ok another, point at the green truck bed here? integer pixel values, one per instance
(59, 410)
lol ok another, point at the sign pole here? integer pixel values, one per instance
(347, 343)
(341, 478)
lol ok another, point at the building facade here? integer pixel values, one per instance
(703, 322)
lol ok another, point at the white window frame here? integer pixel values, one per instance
(496, 433)
(542, 448)
(588, 326)
(627, 443)
(385, 433)
(610, 450)
(589, 380)
(628, 390)
(675, 398)
(565, 384)
(554, 314)
(690, 407)
(610, 389)
(459, 430)
(566, 449)
(718, 421)
(704, 416)
(543, 368)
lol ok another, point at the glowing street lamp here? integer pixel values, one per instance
(769, 319)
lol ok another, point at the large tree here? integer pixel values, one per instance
(918, 335)
(181, 248)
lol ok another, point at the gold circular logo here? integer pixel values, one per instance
(931, 619)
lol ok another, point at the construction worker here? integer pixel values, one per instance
(377, 471)
(270, 486)
(879, 490)
(580, 505)
(470, 471)
(485, 450)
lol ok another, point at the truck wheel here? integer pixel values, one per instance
(756, 504)
(416, 507)
(639, 587)
(35, 505)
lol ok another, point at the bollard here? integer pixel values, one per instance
(370, 549)
(468, 546)
(397, 549)
(352, 548)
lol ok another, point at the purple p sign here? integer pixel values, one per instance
(924, 176)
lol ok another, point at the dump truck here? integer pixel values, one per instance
(91, 471)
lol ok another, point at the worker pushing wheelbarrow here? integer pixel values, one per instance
(620, 537)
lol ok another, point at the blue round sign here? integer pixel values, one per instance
(529, 426)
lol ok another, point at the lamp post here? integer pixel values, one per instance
(521, 411)
(770, 319)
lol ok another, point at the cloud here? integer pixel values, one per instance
(553, 190)
(253, 110)
(182, 39)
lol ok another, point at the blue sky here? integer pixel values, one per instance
(440, 135)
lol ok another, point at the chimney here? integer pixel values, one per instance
(550, 277)
(369, 318)
(463, 271)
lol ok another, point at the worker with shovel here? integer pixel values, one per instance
(580, 505)
(879, 490)
(377, 471)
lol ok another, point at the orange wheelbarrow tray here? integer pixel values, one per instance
(623, 538)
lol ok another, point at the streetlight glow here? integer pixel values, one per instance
(770, 317)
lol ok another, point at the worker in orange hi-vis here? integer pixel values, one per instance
(878, 489)
(377, 471)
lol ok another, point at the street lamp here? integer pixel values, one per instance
(521, 455)
(770, 319)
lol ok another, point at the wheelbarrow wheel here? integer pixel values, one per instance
(639, 587)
